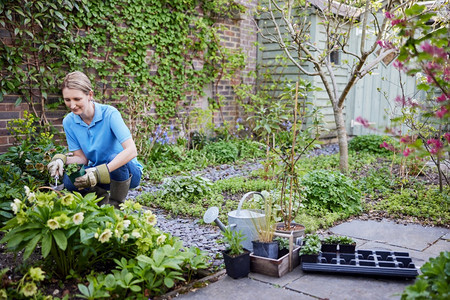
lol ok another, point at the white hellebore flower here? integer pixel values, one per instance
(126, 223)
(78, 218)
(15, 206)
(160, 239)
(136, 234)
(105, 236)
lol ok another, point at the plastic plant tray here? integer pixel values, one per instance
(365, 262)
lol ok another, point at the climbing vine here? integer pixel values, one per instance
(151, 56)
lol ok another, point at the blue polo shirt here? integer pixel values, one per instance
(101, 138)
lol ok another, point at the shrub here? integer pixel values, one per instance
(433, 282)
(370, 143)
(330, 190)
(74, 233)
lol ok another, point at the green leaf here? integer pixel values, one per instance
(169, 282)
(135, 288)
(46, 244)
(31, 246)
(60, 239)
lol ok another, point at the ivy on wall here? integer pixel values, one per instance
(148, 54)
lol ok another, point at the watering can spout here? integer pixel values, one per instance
(211, 215)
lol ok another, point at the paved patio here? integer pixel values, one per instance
(420, 242)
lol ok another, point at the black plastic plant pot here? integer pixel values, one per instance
(347, 248)
(309, 258)
(269, 250)
(237, 266)
(329, 248)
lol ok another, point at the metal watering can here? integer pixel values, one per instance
(244, 220)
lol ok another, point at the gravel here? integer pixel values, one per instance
(189, 230)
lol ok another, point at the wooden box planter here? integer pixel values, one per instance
(275, 267)
(287, 260)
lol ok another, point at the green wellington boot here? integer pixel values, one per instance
(118, 191)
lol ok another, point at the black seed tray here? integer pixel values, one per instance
(365, 262)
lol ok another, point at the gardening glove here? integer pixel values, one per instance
(56, 166)
(98, 174)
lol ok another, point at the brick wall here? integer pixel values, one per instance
(238, 34)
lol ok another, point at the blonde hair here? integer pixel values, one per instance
(78, 81)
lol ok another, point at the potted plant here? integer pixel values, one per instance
(265, 245)
(346, 244)
(301, 137)
(333, 243)
(236, 258)
(310, 250)
(329, 244)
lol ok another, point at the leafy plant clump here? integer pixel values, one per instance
(75, 236)
(222, 152)
(187, 187)
(311, 245)
(336, 239)
(433, 282)
(233, 239)
(370, 143)
(332, 191)
(425, 204)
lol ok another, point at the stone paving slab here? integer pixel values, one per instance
(420, 242)
(338, 286)
(409, 236)
(242, 289)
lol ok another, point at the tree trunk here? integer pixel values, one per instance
(342, 138)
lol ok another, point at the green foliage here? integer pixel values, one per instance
(144, 275)
(234, 239)
(187, 187)
(426, 204)
(25, 288)
(370, 143)
(433, 282)
(330, 190)
(25, 163)
(221, 152)
(74, 232)
(143, 52)
(376, 182)
(338, 239)
(311, 245)
(30, 63)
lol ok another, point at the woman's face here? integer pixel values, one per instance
(77, 101)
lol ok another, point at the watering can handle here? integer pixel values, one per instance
(243, 198)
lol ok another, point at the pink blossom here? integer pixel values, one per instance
(389, 15)
(387, 146)
(398, 21)
(399, 66)
(442, 112)
(433, 50)
(405, 139)
(435, 145)
(447, 74)
(431, 66)
(407, 152)
(386, 44)
(442, 98)
(363, 122)
(447, 136)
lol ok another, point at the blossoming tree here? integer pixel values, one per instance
(290, 31)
